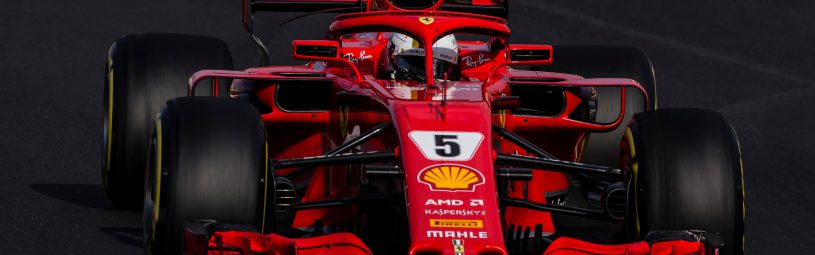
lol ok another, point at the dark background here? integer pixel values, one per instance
(753, 60)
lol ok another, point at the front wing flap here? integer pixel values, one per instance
(210, 237)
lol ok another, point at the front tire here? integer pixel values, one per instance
(209, 162)
(142, 72)
(686, 175)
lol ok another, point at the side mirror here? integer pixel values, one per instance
(529, 54)
(524, 55)
(506, 102)
(321, 50)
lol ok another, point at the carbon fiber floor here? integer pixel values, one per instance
(750, 59)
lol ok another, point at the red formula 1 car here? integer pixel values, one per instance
(416, 127)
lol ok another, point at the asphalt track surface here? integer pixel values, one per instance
(750, 59)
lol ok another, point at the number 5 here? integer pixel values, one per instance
(446, 146)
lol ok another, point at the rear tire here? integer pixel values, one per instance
(209, 162)
(592, 61)
(142, 72)
(686, 175)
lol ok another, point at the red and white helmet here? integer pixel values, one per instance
(407, 56)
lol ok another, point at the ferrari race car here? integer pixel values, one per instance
(415, 127)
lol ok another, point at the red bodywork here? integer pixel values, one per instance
(451, 204)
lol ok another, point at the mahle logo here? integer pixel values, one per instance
(451, 178)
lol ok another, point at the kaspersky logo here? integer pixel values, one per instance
(451, 178)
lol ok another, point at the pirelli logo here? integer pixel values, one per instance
(437, 223)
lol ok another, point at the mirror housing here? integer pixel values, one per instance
(320, 50)
(506, 102)
(529, 54)
(524, 55)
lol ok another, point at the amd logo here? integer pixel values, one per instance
(454, 202)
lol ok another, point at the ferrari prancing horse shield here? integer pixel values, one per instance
(426, 20)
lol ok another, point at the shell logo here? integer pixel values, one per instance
(451, 178)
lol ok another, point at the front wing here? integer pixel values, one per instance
(214, 238)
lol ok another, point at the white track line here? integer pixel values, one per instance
(670, 42)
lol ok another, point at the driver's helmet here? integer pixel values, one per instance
(407, 58)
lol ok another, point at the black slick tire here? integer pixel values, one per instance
(208, 162)
(143, 71)
(594, 61)
(686, 175)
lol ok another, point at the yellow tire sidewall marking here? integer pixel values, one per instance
(109, 134)
(629, 136)
(158, 176)
(265, 185)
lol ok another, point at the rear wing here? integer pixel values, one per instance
(496, 8)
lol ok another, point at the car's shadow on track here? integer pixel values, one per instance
(91, 196)
(88, 195)
(131, 236)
